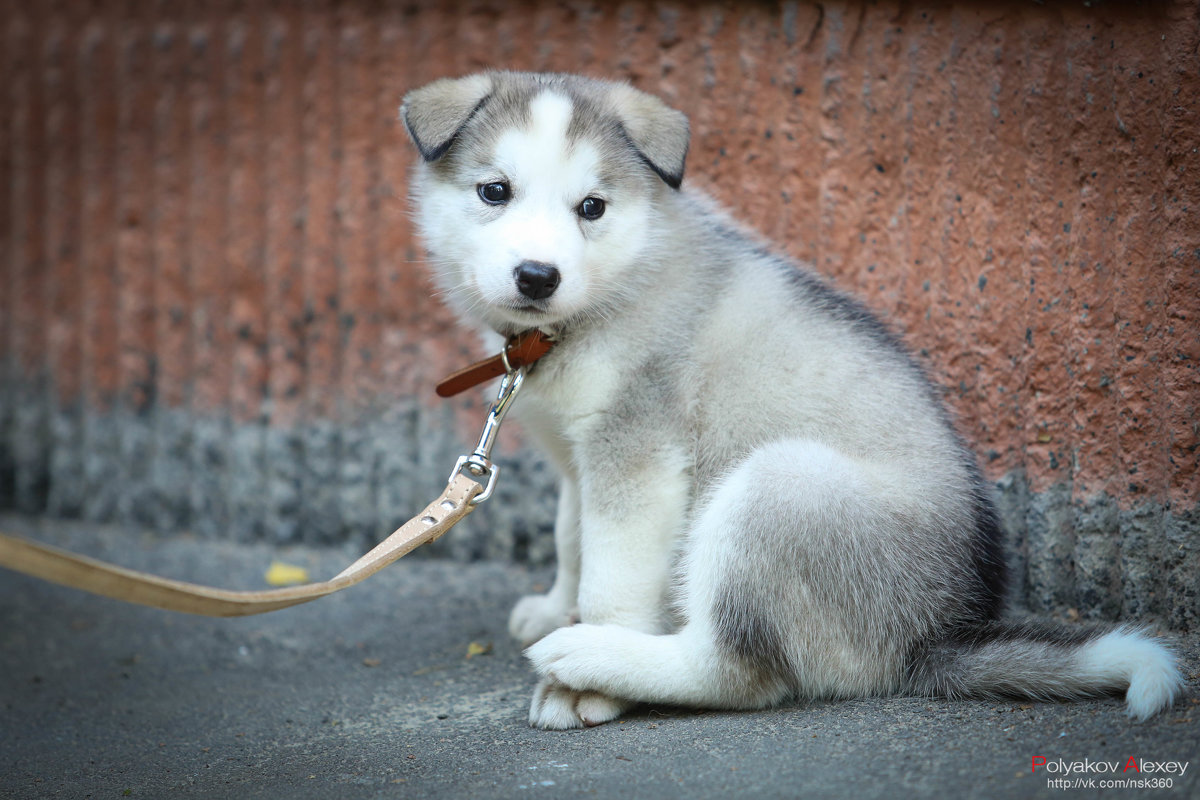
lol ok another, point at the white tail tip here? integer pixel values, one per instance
(1132, 659)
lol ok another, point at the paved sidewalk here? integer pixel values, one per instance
(371, 693)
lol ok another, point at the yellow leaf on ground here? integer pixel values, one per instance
(281, 574)
(477, 649)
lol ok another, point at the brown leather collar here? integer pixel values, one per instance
(521, 351)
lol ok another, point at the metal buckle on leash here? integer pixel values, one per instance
(479, 463)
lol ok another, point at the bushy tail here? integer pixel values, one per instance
(1049, 662)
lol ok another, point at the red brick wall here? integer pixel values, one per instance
(210, 289)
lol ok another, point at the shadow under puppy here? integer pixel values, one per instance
(762, 496)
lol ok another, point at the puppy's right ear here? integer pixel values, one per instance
(434, 114)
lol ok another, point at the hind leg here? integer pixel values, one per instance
(684, 668)
(688, 667)
(796, 578)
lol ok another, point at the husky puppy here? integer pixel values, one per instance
(762, 497)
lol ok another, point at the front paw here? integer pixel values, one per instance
(536, 615)
(557, 707)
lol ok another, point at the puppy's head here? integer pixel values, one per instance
(536, 194)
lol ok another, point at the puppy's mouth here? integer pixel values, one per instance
(513, 309)
(537, 308)
(521, 314)
(509, 319)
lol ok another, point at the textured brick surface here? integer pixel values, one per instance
(213, 316)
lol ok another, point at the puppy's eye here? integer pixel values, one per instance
(591, 208)
(494, 194)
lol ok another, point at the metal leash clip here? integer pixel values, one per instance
(479, 463)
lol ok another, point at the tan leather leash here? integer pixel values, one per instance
(471, 483)
(109, 580)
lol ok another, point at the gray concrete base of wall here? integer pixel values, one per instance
(169, 472)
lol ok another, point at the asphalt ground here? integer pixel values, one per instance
(408, 686)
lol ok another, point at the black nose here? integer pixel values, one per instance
(537, 280)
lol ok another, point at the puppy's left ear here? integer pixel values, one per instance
(435, 113)
(658, 132)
